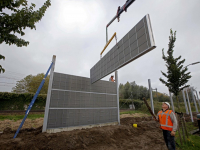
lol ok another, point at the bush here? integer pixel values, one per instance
(13, 101)
(124, 103)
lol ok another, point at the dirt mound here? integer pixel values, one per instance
(146, 136)
(14, 125)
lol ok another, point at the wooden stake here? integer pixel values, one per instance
(185, 126)
(183, 132)
(179, 129)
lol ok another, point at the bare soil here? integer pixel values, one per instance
(15, 124)
(146, 136)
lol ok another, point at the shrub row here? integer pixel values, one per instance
(13, 101)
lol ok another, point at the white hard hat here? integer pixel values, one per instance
(167, 104)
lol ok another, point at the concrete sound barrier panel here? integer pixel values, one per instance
(137, 42)
(76, 103)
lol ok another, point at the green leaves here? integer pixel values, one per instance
(22, 17)
(19, 20)
(31, 83)
(1, 68)
(176, 74)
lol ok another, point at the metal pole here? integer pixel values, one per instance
(172, 103)
(198, 99)
(33, 101)
(189, 106)
(186, 108)
(106, 34)
(195, 104)
(151, 97)
(117, 81)
(48, 95)
(125, 6)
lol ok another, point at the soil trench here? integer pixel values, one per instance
(146, 136)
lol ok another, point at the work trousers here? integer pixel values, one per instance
(169, 140)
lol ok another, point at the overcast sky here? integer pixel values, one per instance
(75, 31)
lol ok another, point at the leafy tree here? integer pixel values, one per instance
(127, 90)
(121, 91)
(176, 74)
(31, 83)
(21, 17)
(138, 92)
(1, 68)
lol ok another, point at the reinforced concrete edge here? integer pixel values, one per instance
(79, 127)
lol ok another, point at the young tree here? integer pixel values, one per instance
(21, 17)
(177, 75)
(31, 83)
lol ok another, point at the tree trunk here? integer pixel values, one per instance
(178, 103)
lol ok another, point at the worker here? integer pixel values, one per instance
(118, 13)
(168, 124)
(112, 78)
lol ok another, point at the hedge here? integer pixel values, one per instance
(13, 101)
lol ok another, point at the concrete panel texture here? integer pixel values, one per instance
(75, 102)
(133, 45)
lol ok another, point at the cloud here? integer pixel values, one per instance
(75, 31)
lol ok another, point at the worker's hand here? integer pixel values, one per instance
(173, 133)
(156, 119)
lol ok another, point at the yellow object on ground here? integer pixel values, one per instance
(135, 125)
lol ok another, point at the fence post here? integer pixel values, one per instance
(195, 104)
(191, 115)
(186, 108)
(198, 98)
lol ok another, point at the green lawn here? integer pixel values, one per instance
(133, 112)
(18, 117)
(193, 141)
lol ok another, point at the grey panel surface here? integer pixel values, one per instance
(75, 102)
(138, 41)
(61, 118)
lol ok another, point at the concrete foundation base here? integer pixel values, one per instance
(79, 127)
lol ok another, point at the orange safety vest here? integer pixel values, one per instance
(165, 120)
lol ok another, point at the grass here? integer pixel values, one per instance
(133, 112)
(192, 143)
(18, 117)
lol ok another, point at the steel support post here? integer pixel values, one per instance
(189, 106)
(151, 96)
(171, 100)
(48, 95)
(198, 99)
(186, 108)
(33, 101)
(117, 84)
(195, 104)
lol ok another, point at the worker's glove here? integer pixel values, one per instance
(173, 133)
